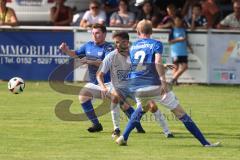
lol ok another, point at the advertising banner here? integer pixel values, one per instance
(224, 56)
(32, 55)
(197, 72)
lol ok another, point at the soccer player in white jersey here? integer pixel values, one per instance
(92, 53)
(116, 63)
(147, 80)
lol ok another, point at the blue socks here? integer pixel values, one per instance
(129, 113)
(89, 111)
(192, 128)
(133, 121)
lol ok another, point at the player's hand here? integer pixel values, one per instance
(63, 47)
(83, 60)
(104, 92)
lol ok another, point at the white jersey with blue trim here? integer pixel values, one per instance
(119, 67)
(142, 55)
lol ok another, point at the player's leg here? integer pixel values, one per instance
(160, 118)
(133, 121)
(146, 94)
(170, 101)
(127, 100)
(89, 91)
(115, 113)
(129, 110)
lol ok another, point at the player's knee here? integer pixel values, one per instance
(124, 106)
(115, 99)
(84, 96)
(178, 111)
(152, 107)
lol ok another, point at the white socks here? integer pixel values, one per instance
(162, 122)
(115, 113)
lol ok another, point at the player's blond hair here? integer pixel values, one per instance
(144, 26)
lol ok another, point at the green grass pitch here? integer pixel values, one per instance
(29, 129)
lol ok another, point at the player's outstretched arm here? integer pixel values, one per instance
(65, 49)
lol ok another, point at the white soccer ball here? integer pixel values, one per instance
(16, 85)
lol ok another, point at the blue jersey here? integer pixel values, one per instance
(92, 51)
(178, 48)
(142, 55)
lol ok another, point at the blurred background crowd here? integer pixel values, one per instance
(196, 14)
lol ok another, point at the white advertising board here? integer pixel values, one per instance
(224, 56)
(197, 72)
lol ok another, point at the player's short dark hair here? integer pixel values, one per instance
(122, 34)
(100, 26)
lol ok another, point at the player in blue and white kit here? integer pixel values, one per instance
(91, 53)
(116, 63)
(148, 81)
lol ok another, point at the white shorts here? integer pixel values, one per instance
(95, 90)
(143, 95)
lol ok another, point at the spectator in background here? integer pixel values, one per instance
(122, 18)
(7, 15)
(162, 4)
(211, 11)
(197, 20)
(167, 21)
(178, 43)
(187, 8)
(94, 15)
(61, 15)
(225, 7)
(109, 7)
(149, 12)
(232, 21)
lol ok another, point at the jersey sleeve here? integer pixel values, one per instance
(158, 48)
(106, 64)
(81, 52)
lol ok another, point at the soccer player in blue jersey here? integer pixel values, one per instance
(116, 63)
(148, 81)
(92, 53)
